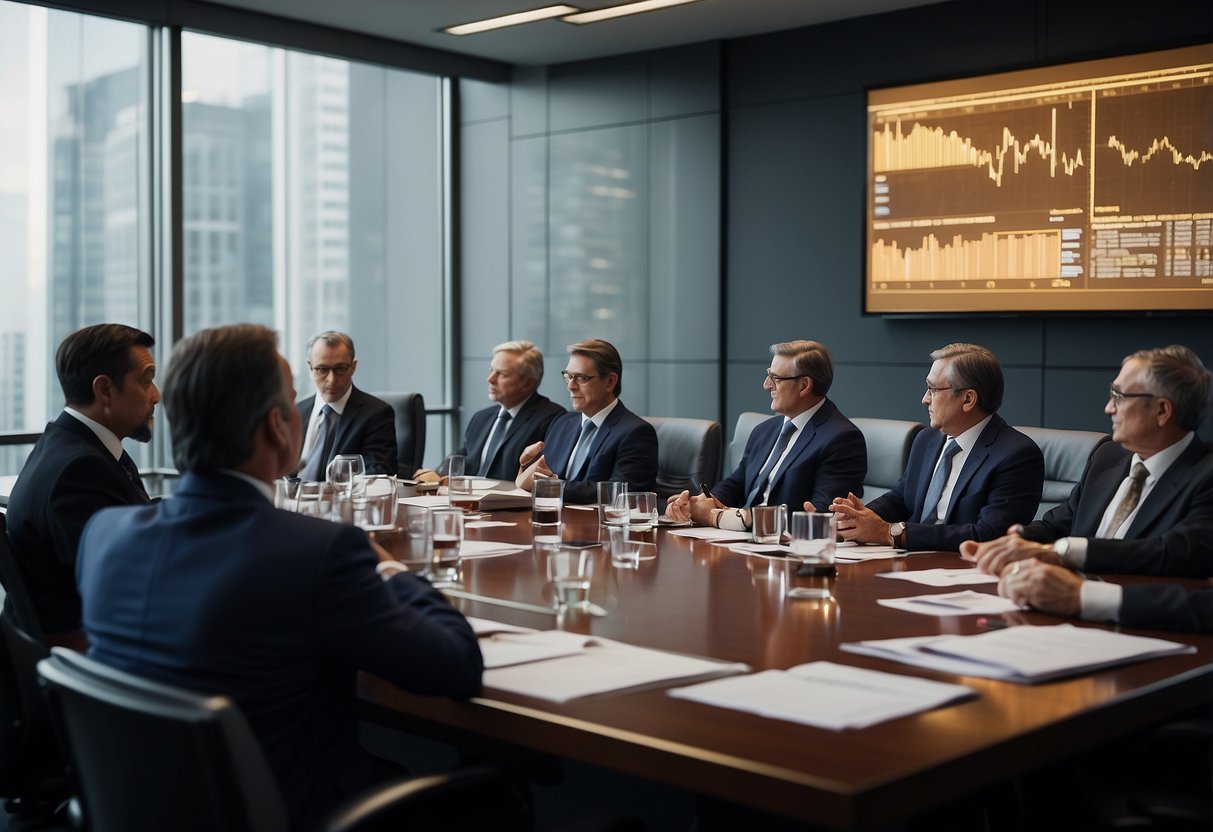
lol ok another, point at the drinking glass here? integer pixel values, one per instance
(769, 523)
(415, 527)
(345, 471)
(315, 499)
(612, 503)
(812, 544)
(286, 492)
(625, 552)
(446, 541)
(642, 510)
(461, 494)
(571, 571)
(547, 501)
(375, 503)
(454, 466)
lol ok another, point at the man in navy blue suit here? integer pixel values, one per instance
(809, 454)
(1144, 504)
(215, 590)
(78, 466)
(497, 436)
(969, 479)
(601, 440)
(357, 422)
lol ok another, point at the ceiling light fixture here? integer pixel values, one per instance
(619, 11)
(545, 13)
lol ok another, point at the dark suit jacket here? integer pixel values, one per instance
(1172, 533)
(828, 460)
(528, 427)
(1000, 484)
(624, 449)
(215, 590)
(69, 476)
(367, 427)
(1167, 607)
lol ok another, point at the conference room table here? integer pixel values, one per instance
(696, 597)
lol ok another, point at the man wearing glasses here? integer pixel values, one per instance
(969, 479)
(808, 453)
(340, 418)
(1144, 505)
(601, 440)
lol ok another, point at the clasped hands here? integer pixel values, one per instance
(697, 508)
(532, 464)
(1029, 573)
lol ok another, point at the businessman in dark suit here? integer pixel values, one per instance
(809, 453)
(601, 440)
(978, 474)
(215, 590)
(340, 418)
(78, 465)
(497, 436)
(1145, 502)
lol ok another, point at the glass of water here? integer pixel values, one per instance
(812, 543)
(571, 572)
(446, 543)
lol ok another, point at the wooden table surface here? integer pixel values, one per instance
(698, 598)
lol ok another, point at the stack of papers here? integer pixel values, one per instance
(1021, 654)
(706, 533)
(826, 695)
(851, 551)
(559, 666)
(965, 602)
(471, 549)
(492, 500)
(943, 577)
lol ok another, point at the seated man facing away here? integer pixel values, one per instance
(215, 590)
(969, 479)
(601, 440)
(497, 436)
(78, 465)
(1145, 502)
(340, 418)
(809, 454)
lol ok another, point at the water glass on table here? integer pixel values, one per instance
(812, 544)
(461, 494)
(286, 492)
(625, 552)
(454, 466)
(612, 503)
(316, 499)
(769, 523)
(642, 510)
(375, 503)
(446, 544)
(412, 540)
(547, 501)
(571, 572)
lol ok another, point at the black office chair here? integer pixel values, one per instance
(688, 454)
(410, 429)
(888, 442)
(151, 756)
(17, 600)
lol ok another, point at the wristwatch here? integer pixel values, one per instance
(897, 532)
(1060, 548)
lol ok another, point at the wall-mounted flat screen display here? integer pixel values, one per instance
(1080, 187)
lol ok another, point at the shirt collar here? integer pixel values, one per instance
(108, 438)
(968, 439)
(600, 417)
(802, 419)
(262, 487)
(338, 406)
(1158, 463)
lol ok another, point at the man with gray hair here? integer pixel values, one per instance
(1144, 505)
(969, 479)
(496, 436)
(340, 418)
(807, 454)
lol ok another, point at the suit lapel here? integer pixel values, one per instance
(1087, 525)
(803, 440)
(1164, 491)
(976, 458)
(933, 449)
(476, 449)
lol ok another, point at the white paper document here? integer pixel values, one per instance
(483, 627)
(767, 550)
(506, 649)
(965, 602)
(486, 524)
(602, 666)
(471, 549)
(1023, 654)
(943, 577)
(861, 551)
(706, 533)
(826, 695)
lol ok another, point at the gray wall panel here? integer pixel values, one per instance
(481, 100)
(687, 389)
(599, 93)
(685, 81)
(529, 101)
(484, 224)
(528, 312)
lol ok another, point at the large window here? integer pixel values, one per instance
(74, 221)
(313, 198)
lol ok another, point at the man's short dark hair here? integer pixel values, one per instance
(809, 358)
(218, 387)
(99, 350)
(973, 367)
(605, 357)
(1178, 374)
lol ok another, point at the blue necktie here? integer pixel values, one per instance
(498, 439)
(781, 445)
(935, 490)
(583, 448)
(313, 469)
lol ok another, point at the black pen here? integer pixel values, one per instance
(527, 464)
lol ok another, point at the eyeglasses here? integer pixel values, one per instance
(1117, 396)
(580, 378)
(935, 391)
(338, 370)
(775, 379)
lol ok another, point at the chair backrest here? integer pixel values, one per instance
(31, 765)
(17, 599)
(1066, 453)
(888, 442)
(688, 453)
(410, 429)
(151, 756)
(746, 422)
